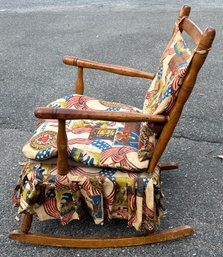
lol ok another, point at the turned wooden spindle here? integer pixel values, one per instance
(26, 223)
(62, 160)
(71, 114)
(121, 70)
(80, 81)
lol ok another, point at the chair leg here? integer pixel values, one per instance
(26, 223)
(102, 242)
(167, 166)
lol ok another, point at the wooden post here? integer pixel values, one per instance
(80, 81)
(185, 11)
(167, 166)
(62, 161)
(26, 223)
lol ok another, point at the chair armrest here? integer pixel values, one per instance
(121, 70)
(63, 114)
(70, 114)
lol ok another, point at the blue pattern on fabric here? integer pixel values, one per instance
(145, 181)
(140, 186)
(168, 92)
(97, 202)
(52, 179)
(66, 203)
(43, 154)
(127, 138)
(102, 145)
(180, 47)
(39, 172)
(113, 109)
(51, 193)
(89, 161)
(182, 65)
(67, 97)
(108, 173)
(160, 72)
(134, 140)
(42, 128)
(81, 157)
(56, 105)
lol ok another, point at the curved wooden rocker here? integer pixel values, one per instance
(102, 242)
(167, 123)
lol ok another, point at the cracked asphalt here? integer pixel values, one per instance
(35, 35)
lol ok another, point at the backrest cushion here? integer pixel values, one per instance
(163, 90)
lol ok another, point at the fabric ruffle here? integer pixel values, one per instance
(104, 193)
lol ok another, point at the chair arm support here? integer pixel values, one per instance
(70, 114)
(121, 70)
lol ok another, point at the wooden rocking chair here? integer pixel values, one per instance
(103, 155)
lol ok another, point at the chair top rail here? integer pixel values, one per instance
(191, 29)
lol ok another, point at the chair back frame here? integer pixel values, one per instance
(203, 43)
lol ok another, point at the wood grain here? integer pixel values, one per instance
(79, 89)
(167, 166)
(62, 159)
(103, 242)
(71, 114)
(121, 70)
(26, 223)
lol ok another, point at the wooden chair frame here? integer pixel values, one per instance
(203, 43)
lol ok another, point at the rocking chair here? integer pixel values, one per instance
(90, 154)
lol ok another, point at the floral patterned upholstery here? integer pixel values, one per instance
(106, 192)
(90, 142)
(162, 93)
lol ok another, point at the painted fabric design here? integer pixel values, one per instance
(162, 93)
(91, 142)
(107, 193)
(125, 146)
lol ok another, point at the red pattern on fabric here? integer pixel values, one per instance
(50, 207)
(118, 155)
(59, 182)
(81, 141)
(122, 212)
(148, 211)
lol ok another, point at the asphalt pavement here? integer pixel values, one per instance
(35, 35)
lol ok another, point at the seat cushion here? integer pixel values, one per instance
(91, 142)
(106, 193)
